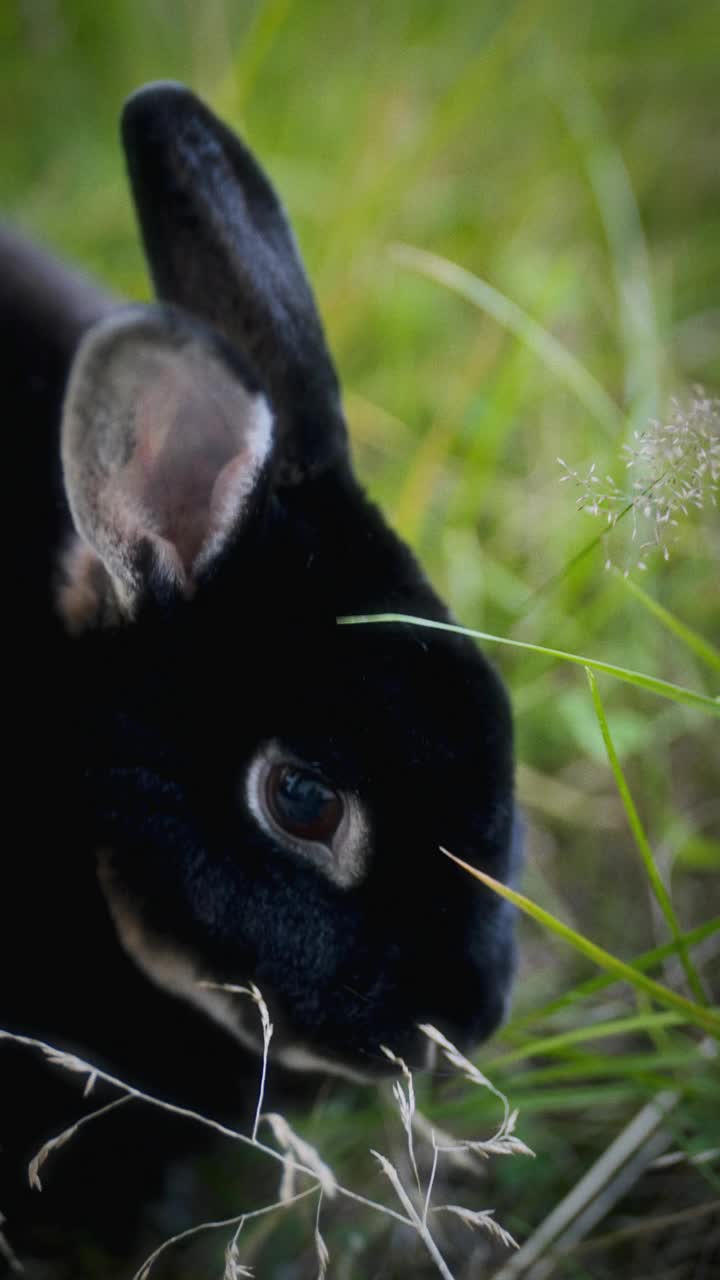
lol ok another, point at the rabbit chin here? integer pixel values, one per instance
(176, 971)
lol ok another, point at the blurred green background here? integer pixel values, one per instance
(566, 155)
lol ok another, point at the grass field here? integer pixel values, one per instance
(511, 215)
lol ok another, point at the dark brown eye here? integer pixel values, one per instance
(302, 804)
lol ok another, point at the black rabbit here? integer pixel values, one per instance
(211, 779)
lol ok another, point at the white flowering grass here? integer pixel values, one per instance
(675, 468)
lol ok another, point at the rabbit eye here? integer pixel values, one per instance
(302, 803)
(299, 808)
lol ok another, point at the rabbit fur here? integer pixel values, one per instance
(212, 781)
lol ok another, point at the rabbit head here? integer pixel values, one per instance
(269, 789)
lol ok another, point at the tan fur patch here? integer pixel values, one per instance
(85, 596)
(166, 964)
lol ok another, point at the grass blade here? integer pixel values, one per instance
(651, 1069)
(661, 894)
(648, 960)
(663, 688)
(701, 647)
(551, 352)
(696, 1014)
(535, 1047)
(629, 260)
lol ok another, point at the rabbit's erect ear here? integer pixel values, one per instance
(219, 244)
(166, 439)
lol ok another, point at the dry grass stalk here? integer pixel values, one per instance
(6, 1252)
(52, 1144)
(294, 1145)
(418, 1222)
(267, 1031)
(405, 1099)
(503, 1142)
(299, 1157)
(221, 1225)
(232, 1262)
(481, 1218)
(323, 1253)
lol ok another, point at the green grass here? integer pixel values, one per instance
(511, 213)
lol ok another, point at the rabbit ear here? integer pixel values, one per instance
(219, 244)
(165, 440)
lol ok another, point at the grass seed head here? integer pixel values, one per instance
(675, 467)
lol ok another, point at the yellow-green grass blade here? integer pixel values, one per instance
(696, 1014)
(267, 22)
(629, 259)
(643, 844)
(698, 644)
(584, 990)
(652, 1067)
(556, 357)
(537, 1047)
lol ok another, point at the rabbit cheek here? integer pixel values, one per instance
(177, 972)
(168, 965)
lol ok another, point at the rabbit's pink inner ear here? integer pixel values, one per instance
(200, 441)
(163, 445)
